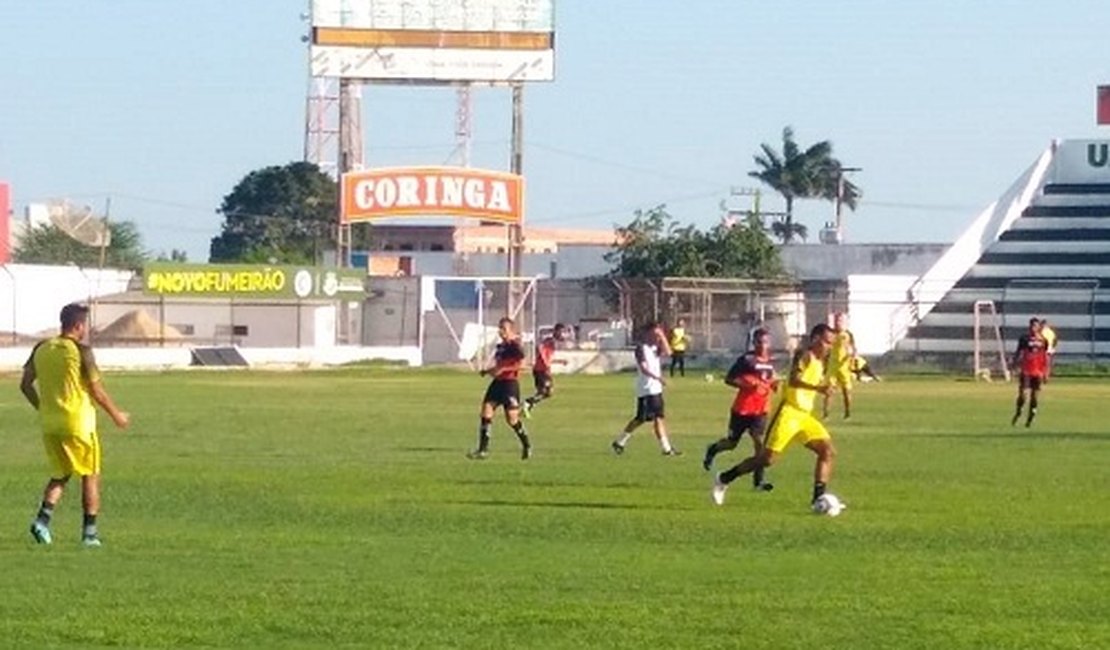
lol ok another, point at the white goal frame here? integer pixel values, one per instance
(476, 329)
(986, 315)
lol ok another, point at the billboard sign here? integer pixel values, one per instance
(427, 191)
(256, 281)
(434, 40)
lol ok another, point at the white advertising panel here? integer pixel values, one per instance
(397, 63)
(437, 15)
(434, 40)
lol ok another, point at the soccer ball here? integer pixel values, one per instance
(828, 505)
(710, 378)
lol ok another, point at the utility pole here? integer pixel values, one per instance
(838, 222)
(753, 192)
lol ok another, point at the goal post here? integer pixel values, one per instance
(459, 316)
(988, 341)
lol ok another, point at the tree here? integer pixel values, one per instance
(653, 245)
(48, 244)
(798, 174)
(286, 214)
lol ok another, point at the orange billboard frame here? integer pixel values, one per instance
(463, 192)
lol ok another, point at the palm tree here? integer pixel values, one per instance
(798, 174)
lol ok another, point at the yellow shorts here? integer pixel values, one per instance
(841, 376)
(68, 455)
(791, 423)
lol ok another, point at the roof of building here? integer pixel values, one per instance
(838, 261)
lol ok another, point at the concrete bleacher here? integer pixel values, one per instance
(1042, 249)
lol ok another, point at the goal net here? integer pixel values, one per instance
(459, 316)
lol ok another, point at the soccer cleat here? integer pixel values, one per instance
(618, 448)
(707, 462)
(41, 533)
(1029, 420)
(477, 454)
(672, 452)
(718, 492)
(763, 487)
(526, 409)
(526, 452)
(1017, 416)
(90, 541)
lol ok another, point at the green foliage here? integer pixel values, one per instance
(802, 174)
(336, 510)
(654, 245)
(48, 244)
(286, 214)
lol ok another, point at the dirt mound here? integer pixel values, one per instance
(137, 326)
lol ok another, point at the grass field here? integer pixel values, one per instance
(336, 509)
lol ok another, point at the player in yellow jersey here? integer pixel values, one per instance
(794, 419)
(678, 342)
(1049, 336)
(839, 365)
(68, 384)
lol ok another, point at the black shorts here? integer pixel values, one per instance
(754, 425)
(503, 392)
(543, 380)
(649, 407)
(1031, 382)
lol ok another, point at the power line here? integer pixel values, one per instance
(630, 208)
(926, 207)
(622, 165)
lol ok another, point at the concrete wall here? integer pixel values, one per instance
(838, 261)
(224, 322)
(874, 305)
(145, 358)
(32, 295)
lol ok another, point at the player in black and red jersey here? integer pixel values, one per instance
(541, 369)
(753, 375)
(503, 391)
(1031, 358)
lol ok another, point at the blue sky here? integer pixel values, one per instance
(164, 106)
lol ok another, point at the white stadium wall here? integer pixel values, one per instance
(32, 295)
(874, 304)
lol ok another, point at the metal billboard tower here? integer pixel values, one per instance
(500, 43)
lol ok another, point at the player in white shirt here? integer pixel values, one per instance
(649, 390)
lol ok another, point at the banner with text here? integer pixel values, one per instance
(258, 281)
(428, 191)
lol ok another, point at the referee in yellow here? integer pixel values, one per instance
(68, 383)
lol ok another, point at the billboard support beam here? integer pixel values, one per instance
(516, 166)
(350, 155)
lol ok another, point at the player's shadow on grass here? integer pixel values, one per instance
(575, 505)
(1017, 433)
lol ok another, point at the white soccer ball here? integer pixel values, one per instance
(710, 378)
(828, 505)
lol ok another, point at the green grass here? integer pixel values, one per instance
(336, 509)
